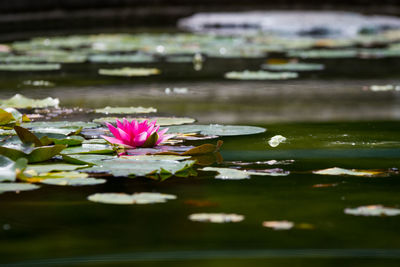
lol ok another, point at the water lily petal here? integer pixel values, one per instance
(112, 140)
(140, 139)
(125, 137)
(113, 130)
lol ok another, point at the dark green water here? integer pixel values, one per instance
(328, 120)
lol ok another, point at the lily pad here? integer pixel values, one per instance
(260, 75)
(37, 154)
(50, 167)
(125, 110)
(353, 172)
(125, 199)
(278, 225)
(6, 117)
(216, 129)
(20, 101)
(59, 124)
(293, 67)
(73, 181)
(161, 169)
(216, 217)
(10, 170)
(373, 210)
(122, 58)
(16, 187)
(324, 53)
(234, 174)
(29, 67)
(162, 121)
(129, 72)
(89, 149)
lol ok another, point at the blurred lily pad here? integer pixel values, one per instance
(125, 199)
(234, 174)
(162, 121)
(20, 101)
(373, 210)
(122, 58)
(29, 67)
(73, 181)
(293, 67)
(10, 170)
(216, 129)
(16, 187)
(50, 167)
(89, 149)
(353, 172)
(276, 140)
(33, 154)
(260, 75)
(125, 110)
(278, 225)
(324, 53)
(216, 217)
(129, 72)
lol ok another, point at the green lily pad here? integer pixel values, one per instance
(324, 53)
(37, 154)
(162, 121)
(89, 149)
(6, 117)
(10, 170)
(86, 159)
(29, 67)
(16, 187)
(73, 181)
(59, 175)
(162, 169)
(100, 141)
(260, 75)
(50, 167)
(20, 101)
(125, 110)
(234, 174)
(123, 58)
(59, 124)
(125, 199)
(129, 72)
(293, 67)
(216, 129)
(216, 217)
(373, 210)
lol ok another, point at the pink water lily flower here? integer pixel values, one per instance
(134, 134)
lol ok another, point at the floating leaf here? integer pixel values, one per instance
(234, 174)
(29, 67)
(125, 110)
(20, 101)
(260, 75)
(16, 187)
(162, 121)
(125, 199)
(89, 149)
(162, 169)
(278, 225)
(37, 154)
(10, 170)
(373, 210)
(50, 167)
(216, 217)
(123, 58)
(59, 124)
(216, 129)
(324, 53)
(276, 140)
(155, 157)
(86, 159)
(129, 72)
(353, 172)
(73, 181)
(293, 67)
(5, 117)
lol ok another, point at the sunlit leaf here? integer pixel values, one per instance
(278, 225)
(216, 217)
(10, 170)
(125, 199)
(353, 172)
(129, 72)
(20, 101)
(373, 210)
(16, 187)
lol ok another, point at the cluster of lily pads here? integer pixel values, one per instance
(50, 53)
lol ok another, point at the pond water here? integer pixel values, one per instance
(330, 118)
